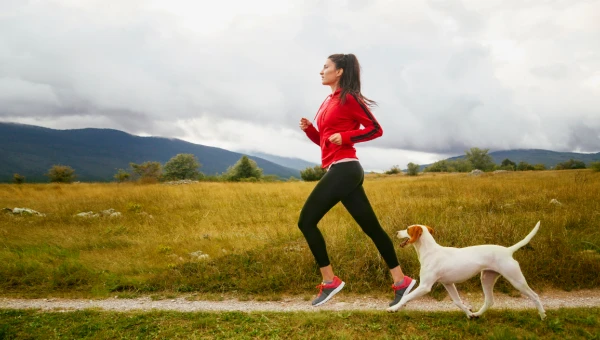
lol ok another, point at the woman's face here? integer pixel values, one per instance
(329, 74)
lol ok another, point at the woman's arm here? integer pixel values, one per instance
(361, 113)
(310, 131)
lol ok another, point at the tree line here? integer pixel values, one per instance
(476, 158)
(180, 167)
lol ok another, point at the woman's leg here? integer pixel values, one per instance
(359, 207)
(338, 182)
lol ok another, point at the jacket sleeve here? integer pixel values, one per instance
(361, 113)
(313, 134)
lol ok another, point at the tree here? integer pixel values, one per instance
(439, 166)
(244, 169)
(457, 165)
(182, 166)
(61, 174)
(18, 179)
(595, 166)
(122, 175)
(413, 169)
(312, 174)
(394, 170)
(480, 159)
(507, 164)
(570, 164)
(462, 165)
(524, 166)
(147, 172)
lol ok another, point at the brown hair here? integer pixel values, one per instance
(350, 81)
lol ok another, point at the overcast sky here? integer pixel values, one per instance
(447, 75)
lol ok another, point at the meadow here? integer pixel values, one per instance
(252, 249)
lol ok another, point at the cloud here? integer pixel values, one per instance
(448, 75)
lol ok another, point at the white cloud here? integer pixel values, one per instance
(448, 75)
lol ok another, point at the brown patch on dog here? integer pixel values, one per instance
(414, 233)
(430, 230)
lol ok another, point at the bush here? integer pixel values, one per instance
(524, 166)
(394, 170)
(595, 166)
(480, 159)
(312, 174)
(61, 174)
(458, 165)
(244, 169)
(182, 166)
(18, 179)
(507, 164)
(413, 169)
(122, 176)
(147, 172)
(570, 164)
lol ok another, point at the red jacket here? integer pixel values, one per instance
(345, 119)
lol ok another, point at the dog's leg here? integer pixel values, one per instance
(423, 289)
(488, 280)
(512, 272)
(451, 288)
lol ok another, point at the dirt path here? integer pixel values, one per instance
(550, 300)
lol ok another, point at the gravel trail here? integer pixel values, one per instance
(550, 300)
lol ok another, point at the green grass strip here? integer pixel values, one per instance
(577, 323)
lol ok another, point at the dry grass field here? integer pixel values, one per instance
(254, 248)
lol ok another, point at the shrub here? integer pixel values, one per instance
(524, 166)
(394, 170)
(413, 169)
(244, 169)
(18, 179)
(480, 159)
(122, 175)
(507, 164)
(570, 164)
(61, 174)
(595, 166)
(457, 165)
(312, 174)
(182, 166)
(147, 172)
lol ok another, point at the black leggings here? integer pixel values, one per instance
(343, 182)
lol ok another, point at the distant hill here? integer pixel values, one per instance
(290, 162)
(537, 156)
(96, 154)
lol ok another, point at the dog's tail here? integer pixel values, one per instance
(526, 239)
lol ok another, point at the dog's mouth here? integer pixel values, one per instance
(404, 243)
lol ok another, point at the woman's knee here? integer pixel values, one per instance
(305, 224)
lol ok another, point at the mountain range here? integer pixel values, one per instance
(97, 154)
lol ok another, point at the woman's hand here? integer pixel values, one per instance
(304, 123)
(336, 139)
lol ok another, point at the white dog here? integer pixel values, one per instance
(449, 265)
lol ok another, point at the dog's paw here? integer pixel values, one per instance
(472, 316)
(392, 309)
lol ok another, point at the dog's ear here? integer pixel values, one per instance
(414, 232)
(430, 230)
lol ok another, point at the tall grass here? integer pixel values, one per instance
(249, 232)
